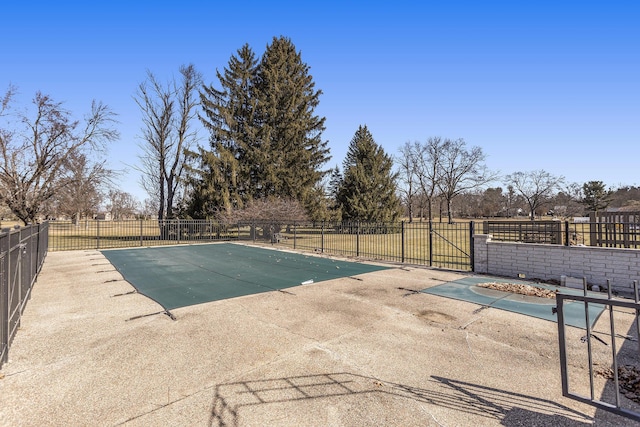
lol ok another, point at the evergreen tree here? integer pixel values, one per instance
(266, 141)
(228, 175)
(368, 190)
(596, 196)
(335, 183)
(292, 151)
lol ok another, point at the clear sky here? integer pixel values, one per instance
(551, 85)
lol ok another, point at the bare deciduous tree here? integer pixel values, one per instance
(82, 191)
(168, 112)
(537, 187)
(122, 205)
(274, 209)
(460, 170)
(427, 162)
(36, 150)
(407, 176)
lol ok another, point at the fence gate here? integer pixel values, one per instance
(452, 245)
(611, 399)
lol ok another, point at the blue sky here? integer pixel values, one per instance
(551, 85)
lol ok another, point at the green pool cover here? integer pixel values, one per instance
(179, 276)
(465, 289)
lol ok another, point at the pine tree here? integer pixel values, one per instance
(596, 196)
(292, 151)
(228, 175)
(368, 190)
(335, 183)
(266, 141)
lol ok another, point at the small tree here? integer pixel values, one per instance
(276, 212)
(368, 191)
(37, 152)
(596, 196)
(537, 187)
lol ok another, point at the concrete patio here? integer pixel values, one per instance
(353, 352)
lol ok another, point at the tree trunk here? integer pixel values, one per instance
(449, 214)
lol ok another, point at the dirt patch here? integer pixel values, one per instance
(628, 380)
(517, 288)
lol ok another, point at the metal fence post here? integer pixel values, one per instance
(98, 234)
(322, 238)
(566, 233)
(402, 240)
(178, 233)
(141, 231)
(357, 238)
(430, 243)
(472, 246)
(295, 230)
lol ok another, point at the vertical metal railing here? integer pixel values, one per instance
(615, 406)
(22, 253)
(419, 243)
(100, 234)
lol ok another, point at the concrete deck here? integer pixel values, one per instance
(344, 352)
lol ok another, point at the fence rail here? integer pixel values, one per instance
(609, 234)
(95, 234)
(22, 253)
(434, 244)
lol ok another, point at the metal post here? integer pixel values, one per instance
(141, 220)
(402, 240)
(588, 325)
(98, 234)
(637, 299)
(472, 254)
(613, 345)
(566, 233)
(357, 238)
(430, 243)
(295, 233)
(562, 343)
(178, 233)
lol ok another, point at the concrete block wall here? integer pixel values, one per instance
(550, 262)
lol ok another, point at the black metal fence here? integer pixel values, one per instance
(94, 234)
(433, 244)
(440, 245)
(610, 399)
(610, 235)
(22, 253)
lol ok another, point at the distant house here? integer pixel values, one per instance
(103, 216)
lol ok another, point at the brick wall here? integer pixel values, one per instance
(550, 262)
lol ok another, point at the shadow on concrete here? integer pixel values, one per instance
(627, 355)
(501, 406)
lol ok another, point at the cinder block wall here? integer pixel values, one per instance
(549, 262)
